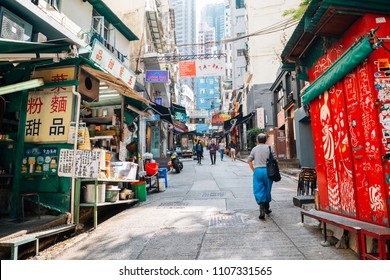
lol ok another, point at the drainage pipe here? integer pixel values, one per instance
(72, 193)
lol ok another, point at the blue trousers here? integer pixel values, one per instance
(221, 152)
(262, 185)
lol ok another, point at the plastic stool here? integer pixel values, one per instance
(163, 173)
(23, 195)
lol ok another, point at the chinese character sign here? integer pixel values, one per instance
(87, 163)
(48, 116)
(101, 56)
(55, 75)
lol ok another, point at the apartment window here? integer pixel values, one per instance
(240, 52)
(240, 4)
(201, 81)
(54, 3)
(202, 101)
(241, 71)
(211, 91)
(211, 82)
(240, 19)
(240, 34)
(202, 91)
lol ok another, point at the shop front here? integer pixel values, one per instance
(61, 114)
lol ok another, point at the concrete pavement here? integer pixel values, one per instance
(208, 212)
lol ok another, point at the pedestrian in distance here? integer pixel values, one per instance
(262, 185)
(213, 151)
(238, 150)
(221, 147)
(232, 147)
(199, 151)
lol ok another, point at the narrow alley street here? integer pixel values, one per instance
(207, 212)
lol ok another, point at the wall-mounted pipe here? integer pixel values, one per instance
(77, 118)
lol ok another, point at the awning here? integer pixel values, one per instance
(137, 106)
(178, 108)
(354, 56)
(230, 124)
(164, 112)
(115, 83)
(245, 119)
(180, 127)
(20, 47)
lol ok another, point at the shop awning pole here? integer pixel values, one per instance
(72, 193)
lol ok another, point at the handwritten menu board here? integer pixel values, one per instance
(87, 163)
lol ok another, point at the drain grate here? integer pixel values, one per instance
(173, 205)
(213, 194)
(226, 221)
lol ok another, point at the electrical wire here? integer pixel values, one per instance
(273, 28)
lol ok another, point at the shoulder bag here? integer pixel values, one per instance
(273, 168)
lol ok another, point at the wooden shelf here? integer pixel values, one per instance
(101, 137)
(109, 203)
(8, 141)
(108, 180)
(98, 120)
(43, 174)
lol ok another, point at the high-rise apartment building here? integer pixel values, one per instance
(185, 25)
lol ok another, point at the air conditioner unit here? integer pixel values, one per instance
(13, 27)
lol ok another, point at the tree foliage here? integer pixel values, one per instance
(251, 135)
(298, 12)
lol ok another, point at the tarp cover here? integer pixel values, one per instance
(354, 56)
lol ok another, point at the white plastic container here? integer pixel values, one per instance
(88, 191)
(125, 170)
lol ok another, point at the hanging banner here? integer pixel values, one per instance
(202, 68)
(210, 67)
(106, 59)
(187, 68)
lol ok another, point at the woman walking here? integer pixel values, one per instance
(232, 147)
(221, 147)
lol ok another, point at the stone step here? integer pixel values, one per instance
(288, 163)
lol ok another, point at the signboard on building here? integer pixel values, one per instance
(157, 76)
(281, 118)
(49, 110)
(187, 68)
(219, 119)
(197, 120)
(107, 60)
(179, 116)
(87, 163)
(260, 118)
(202, 68)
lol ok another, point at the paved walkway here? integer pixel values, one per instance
(208, 212)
